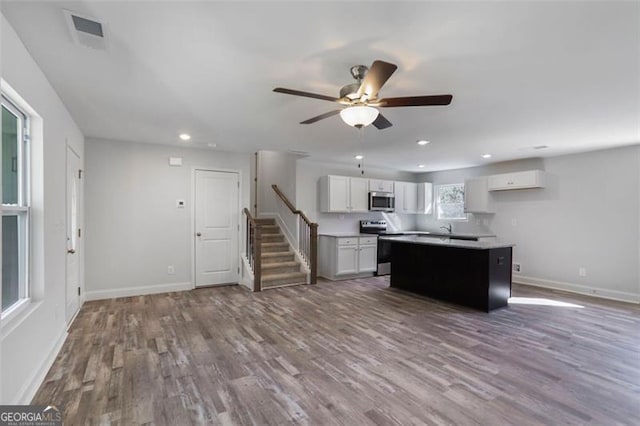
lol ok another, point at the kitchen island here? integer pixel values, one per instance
(476, 274)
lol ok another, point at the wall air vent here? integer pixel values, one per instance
(86, 31)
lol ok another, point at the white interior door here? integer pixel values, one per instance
(73, 234)
(216, 228)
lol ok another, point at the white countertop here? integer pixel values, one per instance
(455, 234)
(448, 242)
(356, 234)
(345, 234)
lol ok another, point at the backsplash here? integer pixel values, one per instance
(479, 223)
(350, 222)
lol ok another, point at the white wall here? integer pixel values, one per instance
(31, 340)
(307, 197)
(134, 230)
(277, 168)
(587, 216)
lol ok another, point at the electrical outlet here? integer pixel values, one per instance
(171, 270)
(514, 222)
(516, 267)
(582, 272)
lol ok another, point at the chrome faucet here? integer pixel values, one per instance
(448, 228)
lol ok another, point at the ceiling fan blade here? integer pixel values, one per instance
(381, 122)
(321, 116)
(415, 101)
(305, 94)
(377, 75)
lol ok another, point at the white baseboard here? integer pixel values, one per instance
(137, 291)
(27, 393)
(577, 288)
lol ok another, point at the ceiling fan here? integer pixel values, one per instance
(361, 98)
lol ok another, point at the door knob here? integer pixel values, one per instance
(71, 251)
(199, 234)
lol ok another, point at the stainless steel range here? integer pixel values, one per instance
(379, 227)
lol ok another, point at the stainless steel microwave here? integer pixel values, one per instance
(382, 201)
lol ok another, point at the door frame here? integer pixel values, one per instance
(192, 221)
(80, 239)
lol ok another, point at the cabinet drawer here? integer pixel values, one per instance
(347, 241)
(368, 240)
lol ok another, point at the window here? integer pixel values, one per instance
(15, 205)
(450, 202)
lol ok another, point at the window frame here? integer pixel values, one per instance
(465, 217)
(21, 210)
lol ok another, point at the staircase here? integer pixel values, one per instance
(279, 265)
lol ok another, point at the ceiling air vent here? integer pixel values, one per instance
(85, 30)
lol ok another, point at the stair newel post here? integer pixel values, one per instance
(257, 258)
(313, 230)
(247, 248)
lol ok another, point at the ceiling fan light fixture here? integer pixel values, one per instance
(359, 115)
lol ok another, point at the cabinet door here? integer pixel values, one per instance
(502, 181)
(399, 200)
(359, 195)
(347, 260)
(517, 180)
(387, 186)
(338, 194)
(425, 198)
(528, 179)
(381, 185)
(368, 258)
(477, 198)
(410, 198)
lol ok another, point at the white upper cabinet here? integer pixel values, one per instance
(359, 194)
(425, 198)
(334, 194)
(517, 180)
(477, 198)
(342, 194)
(406, 197)
(381, 185)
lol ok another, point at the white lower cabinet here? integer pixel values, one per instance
(347, 260)
(347, 257)
(367, 257)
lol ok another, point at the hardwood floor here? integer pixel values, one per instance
(351, 352)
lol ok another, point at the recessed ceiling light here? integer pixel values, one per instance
(421, 166)
(185, 136)
(422, 142)
(359, 157)
(486, 155)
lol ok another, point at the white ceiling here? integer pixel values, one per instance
(562, 74)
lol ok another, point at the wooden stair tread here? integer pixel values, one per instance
(270, 229)
(275, 244)
(272, 285)
(280, 264)
(276, 254)
(283, 276)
